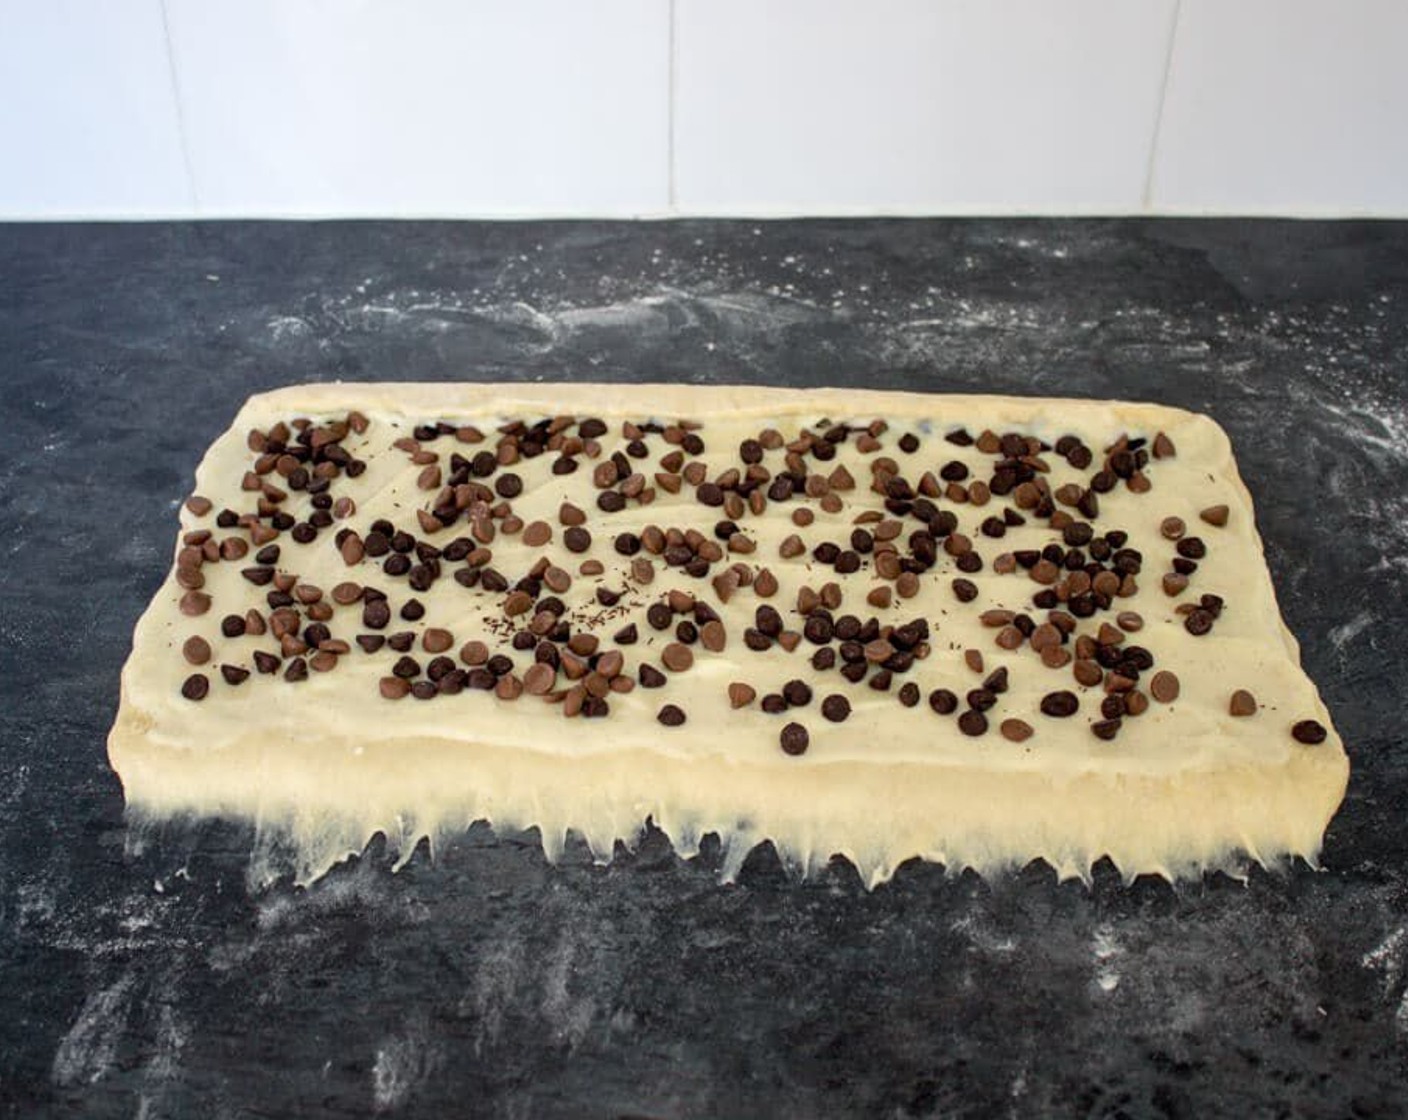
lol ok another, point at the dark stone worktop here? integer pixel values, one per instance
(141, 977)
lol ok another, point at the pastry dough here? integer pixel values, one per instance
(327, 761)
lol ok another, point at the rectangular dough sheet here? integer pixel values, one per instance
(320, 750)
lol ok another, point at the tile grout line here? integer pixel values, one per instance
(1148, 199)
(671, 200)
(180, 112)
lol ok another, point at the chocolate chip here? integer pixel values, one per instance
(266, 663)
(626, 636)
(964, 590)
(1060, 704)
(394, 688)
(1164, 687)
(677, 657)
(651, 677)
(1198, 622)
(194, 603)
(740, 695)
(196, 650)
(1215, 515)
(996, 680)
(797, 693)
(436, 640)
(756, 640)
(768, 621)
(943, 701)
(1106, 729)
(794, 739)
(671, 716)
(1112, 707)
(233, 674)
(774, 703)
(1308, 731)
(539, 678)
(577, 539)
(195, 687)
(981, 699)
(973, 723)
(1015, 730)
(1242, 703)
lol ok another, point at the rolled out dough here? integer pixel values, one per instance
(327, 761)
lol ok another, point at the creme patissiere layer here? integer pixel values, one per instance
(377, 732)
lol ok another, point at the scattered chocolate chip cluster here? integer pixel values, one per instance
(921, 515)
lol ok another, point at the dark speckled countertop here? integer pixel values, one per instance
(142, 977)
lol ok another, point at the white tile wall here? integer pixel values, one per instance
(1286, 105)
(88, 121)
(425, 107)
(459, 108)
(825, 105)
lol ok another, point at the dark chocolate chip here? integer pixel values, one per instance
(1060, 704)
(195, 687)
(671, 716)
(943, 701)
(797, 693)
(973, 722)
(1309, 731)
(794, 739)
